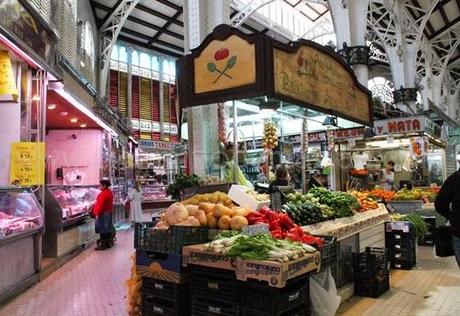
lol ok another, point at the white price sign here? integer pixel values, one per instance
(146, 126)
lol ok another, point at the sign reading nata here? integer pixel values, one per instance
(225, 64)
(313, 77)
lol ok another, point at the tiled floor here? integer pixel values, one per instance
(433, 288)
(93, 284)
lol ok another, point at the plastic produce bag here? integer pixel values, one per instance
(323, 294)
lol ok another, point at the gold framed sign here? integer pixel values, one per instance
(225, 64)
(314, 77)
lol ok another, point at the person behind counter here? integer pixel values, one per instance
(388, 176)
(281, 178)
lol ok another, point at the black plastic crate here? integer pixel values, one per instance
(302, 310)
(202, 306)
(373, 287)
(401, 254)
(370, 263)
(344, 265)
(157, 306)
(401, 243)
(166, 290)
(274, 301)
(403, 264)
(328, 252)
(167, 241)
(215, 284)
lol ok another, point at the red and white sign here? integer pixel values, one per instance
(403, 125)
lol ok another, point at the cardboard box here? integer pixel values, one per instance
(238, 195)
(275, 273)
(165, 267)
(196, 255)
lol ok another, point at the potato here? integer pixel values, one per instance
(206, 207)
(201, 216)
(240, 211)
(191, 209)
(238, 222)
(212, 221)
(224, 222)
(222, 210)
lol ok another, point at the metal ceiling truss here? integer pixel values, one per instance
(244, 14)
(109, 31)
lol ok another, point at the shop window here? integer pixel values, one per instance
(135, 58)
(122, 54)
(155, 64)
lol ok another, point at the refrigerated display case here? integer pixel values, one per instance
(155, 196)
(21, 229)
(67, 222)
(120, 195)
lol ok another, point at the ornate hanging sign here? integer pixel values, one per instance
(311, 76)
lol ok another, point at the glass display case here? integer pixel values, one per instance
(120, 193)
(154, 192)
(20, 212)
(67, 205)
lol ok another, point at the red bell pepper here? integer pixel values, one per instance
(278, 234)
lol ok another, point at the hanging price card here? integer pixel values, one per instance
(27, 163)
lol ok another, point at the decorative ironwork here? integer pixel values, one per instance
(405, 95)
(355, 55)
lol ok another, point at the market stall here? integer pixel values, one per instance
(273, 82)
(414, 144)
(21, 230)
(75, 147)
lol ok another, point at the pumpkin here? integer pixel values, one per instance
(176, 213)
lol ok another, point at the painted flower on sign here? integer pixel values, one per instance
(219, 55)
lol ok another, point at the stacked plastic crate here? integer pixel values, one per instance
(165, 289)
(371, 272)
(401, 242)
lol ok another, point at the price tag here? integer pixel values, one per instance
(256, 229)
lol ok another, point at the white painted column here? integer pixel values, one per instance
(341, 18)
(200, 18)
(358, 28)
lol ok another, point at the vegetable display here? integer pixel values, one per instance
(182, 181)
(380, 194)
(426, 195)
(198, 211)
(342, 203)
(417, 222)
(258, 247)
(306, 213)
(282, 227)
(365, 201)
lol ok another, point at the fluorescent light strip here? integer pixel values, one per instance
(82, 108)
(18, 51)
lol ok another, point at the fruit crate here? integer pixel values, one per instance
(373, 287)
(370, 263)
(152, 306)
(274, 301)
(203, 306)
(328, 252)
(216, 284)
(167, 241)
(166, 290)
(302, 310)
